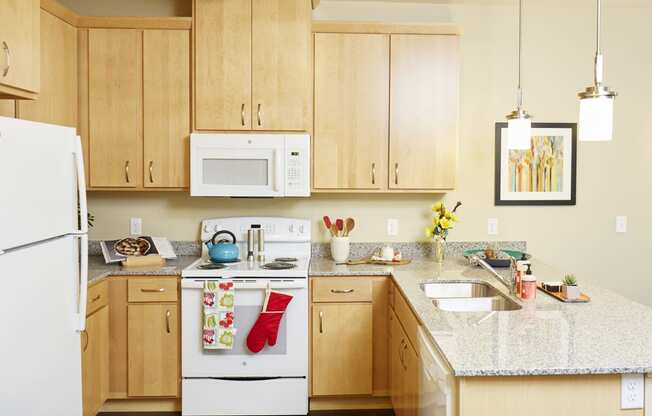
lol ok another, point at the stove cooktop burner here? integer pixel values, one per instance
(211, 266)
(227, 262)
(285, 260)
(278, 265)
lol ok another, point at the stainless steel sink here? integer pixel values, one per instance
(494, 303)
(441, 290)
(468, 297)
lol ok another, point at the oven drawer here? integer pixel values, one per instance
(276, 396)
(158, 289)
(333, 289)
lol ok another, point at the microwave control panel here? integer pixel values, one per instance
(297, 165)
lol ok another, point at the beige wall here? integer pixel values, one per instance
(613, 178)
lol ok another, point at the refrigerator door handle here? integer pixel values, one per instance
(83, 282)
(81, 188)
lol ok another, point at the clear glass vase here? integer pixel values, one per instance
(439, 247)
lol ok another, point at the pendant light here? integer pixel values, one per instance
(519, 125)
(597, 101)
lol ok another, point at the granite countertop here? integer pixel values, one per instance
(611, 334)
(98, 269)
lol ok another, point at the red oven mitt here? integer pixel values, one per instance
(266, 327)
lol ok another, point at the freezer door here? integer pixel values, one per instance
(38, 182)
(40, 353)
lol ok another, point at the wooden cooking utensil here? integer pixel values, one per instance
(334, 231)
(340, 227)
(350, 225)
(328, 224)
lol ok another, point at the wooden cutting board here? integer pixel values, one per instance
(368, 260)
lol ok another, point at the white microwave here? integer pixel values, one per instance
(249, 165)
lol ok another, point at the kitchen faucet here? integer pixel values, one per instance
(509, 284)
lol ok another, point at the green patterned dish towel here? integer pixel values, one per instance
(219, 306)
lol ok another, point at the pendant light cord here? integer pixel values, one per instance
(599, 61)
(519, 98)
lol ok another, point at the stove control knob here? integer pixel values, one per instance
(291, 228)
(300, 229)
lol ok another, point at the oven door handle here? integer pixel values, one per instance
(187, 283)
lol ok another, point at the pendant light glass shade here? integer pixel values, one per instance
(596, 119)
(597, 101)
(519, 124)
(519, 132)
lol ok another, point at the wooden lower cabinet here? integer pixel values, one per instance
(95, 361)
(342, 349)
(153, 350)
(404, 370)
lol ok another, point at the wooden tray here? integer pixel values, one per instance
(584, 298)
(368, 260)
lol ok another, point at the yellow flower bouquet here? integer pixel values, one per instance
(443, 220)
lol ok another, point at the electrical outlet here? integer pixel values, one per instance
(621, 224)
(136, 226)
(392, 227)
(632, 394)
(492, 226)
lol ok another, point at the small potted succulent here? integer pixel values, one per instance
(570, 289)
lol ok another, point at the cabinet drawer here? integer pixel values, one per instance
(98, 296)
(406, 317)
(332, 289)
(158, 289)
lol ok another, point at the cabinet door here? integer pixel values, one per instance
(341, 349)
(19, 47)
(153, 350)
(115, 107)
(57, 100)
(351, 111)
(424, 112)
(95, 361)
(166, 88)
(281, 64)
(222, 64)
(396, 366)
(410, 380)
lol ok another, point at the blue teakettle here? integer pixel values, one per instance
(222, 251)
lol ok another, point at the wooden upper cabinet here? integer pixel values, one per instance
(351, 111)
(19, 48)
(423, 112)
(57, 100)
(222, 64)
(166, 92)
(153, 350)
(342, 349)
(281, 64)
(115, 107)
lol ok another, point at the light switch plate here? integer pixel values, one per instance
(392, 227)
(136, 226)
(632, 394)
(492, 226)
(621, 224)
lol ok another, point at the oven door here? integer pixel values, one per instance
(288, 358)
(237, 165)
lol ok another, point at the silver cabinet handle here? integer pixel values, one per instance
(151, 174)
(342, 290)
(127, 171)
(321, 322)
(96, 298)
(242, 115)
(159, 290)
(85, 334)
(260, 122)
(395, 173)
(5, 48)
(400, 353)
(167, 321)
(405, 346)
(373, 173)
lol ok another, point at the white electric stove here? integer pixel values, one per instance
(236, 381)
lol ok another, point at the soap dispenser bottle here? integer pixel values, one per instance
(529, 285)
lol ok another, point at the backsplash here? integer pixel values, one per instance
(410, 250)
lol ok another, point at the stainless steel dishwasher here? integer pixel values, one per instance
(436, 381)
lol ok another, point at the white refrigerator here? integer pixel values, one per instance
(43, 269)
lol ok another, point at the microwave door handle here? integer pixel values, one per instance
(278, 171)
(81, 188)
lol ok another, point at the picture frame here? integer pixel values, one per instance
(545, 174)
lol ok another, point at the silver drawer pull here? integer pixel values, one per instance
(159, 290)
(321, 322)
(96, 298)
(167, 321)
(5, 48)
(342, 290)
